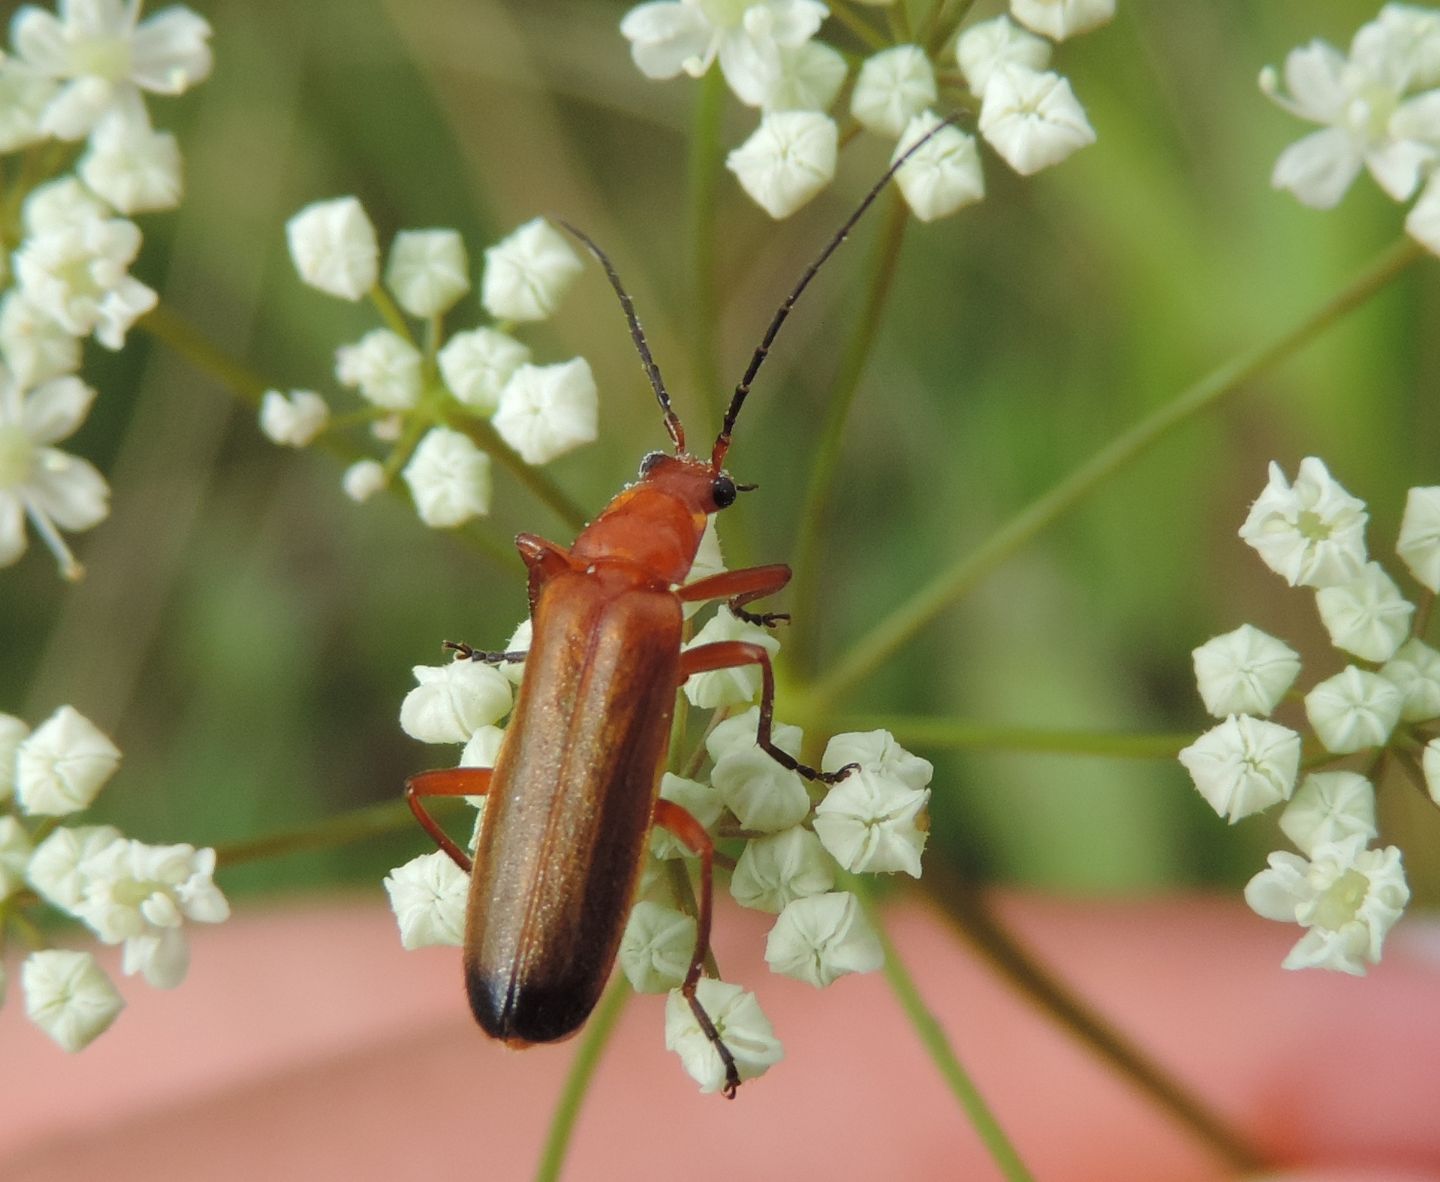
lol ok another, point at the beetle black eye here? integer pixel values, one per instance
(722, 491)
(647, 465)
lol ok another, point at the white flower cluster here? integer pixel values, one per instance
(421, 396)
(789, 850)
(769, 55)
(79, 75)
(126, 892)
(1345, 894)
(1379, 109)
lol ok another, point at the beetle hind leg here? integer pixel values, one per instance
(450, 781)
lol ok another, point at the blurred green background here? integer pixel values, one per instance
(246, 633)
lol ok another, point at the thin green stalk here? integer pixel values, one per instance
(592, 1043)
(391, 314)
(956, 734)
(544, 489)
(937, 1044)
(705, 173)
(965, 907)
(347, 828)
(944, 17)
(911, 618)
(866, 33)
(181, 336)
(884, 262)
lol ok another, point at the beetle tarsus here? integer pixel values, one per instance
(763, 619)
(466, 652)
(732, 1072)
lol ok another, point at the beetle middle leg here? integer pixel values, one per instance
(448, 781)
(739, 587)
(676, 819)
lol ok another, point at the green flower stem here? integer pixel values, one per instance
(884, 263)
(912, 617)
(705, 174)
(577, 1085)
(165, 326)
(390, 313)
(863, 30)
(933, 1038)
(945, 17)
(965, 907)
(956, 734)
(362, 824)
(544, 489)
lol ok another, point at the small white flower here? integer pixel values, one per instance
(877, 752)
(293, 420)
(15, 852)
(739, 731)
(481, 750)
(668, 37)
(736, 685)
(1430, 763)
(1422, 223)
(788, 159)
(528, 272)
(23, 99)
(477, 364)
(106, 57)
(547, 410)
(453, 701)
(1406, 38)
(428, 270)
(822, 937)
(63, 765)
(428, 896)
(1415, 669)
(334, 248)
(135, 168)
(1312, 533)
(35, 347)
(1366, 615)
(702, 801)
(384, 367)
(1032, 119)
(1419, 544)
(1059, 19)
(1347, 897)
(60, 867)
(943, 175)
(985, 47)
(12, 733)
(1243, 765)
(764, 796)
(1353, 710)
(893, 87)
(1244, 672)
(810, 77)
(1329, 807)
(69, 996)
(779, 868)
(363, 479)
(60, 204)
(742, 1026)
(873, 822)
(656, 948)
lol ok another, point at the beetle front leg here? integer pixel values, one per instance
(729, 654)
(488, 656)
(740, 587)
(676, 819)
(449, 781)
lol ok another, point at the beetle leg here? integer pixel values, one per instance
(740, 587)
(676, 819)
(448, 781)
(489, 657)
(728, 654)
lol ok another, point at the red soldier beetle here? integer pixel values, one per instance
(575, 786)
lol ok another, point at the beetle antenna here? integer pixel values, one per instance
(637, 334)
(737, 400)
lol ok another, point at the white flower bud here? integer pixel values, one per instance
(985, 47)
(363, 479)
(333, 247)
(60, 868)
(740, 1023)
(656, 948)
(763, 795)
(528, 272)
(135, 168)
(1353, 710)
(15, 852)
(1311, 534)
(1244, 672)
(738, 733)
(943, 175)
(477, 364)
(61, 767)
(12, 734)
(69, 997)
(481, 751)
(293, 421)
(872, 822)
(384, 367)
(822, 937)
(1327, 807)
(702, 801)
(35, 347)
(1032, 119)
(728, 687)
(547, 410)
(1366, 615)
(877, 752)
(428, 896)
(1059, 19)
(24, 96)
(427, 271)
(811, 75)
(893, 87)
(779, 868)
(788, 159)
(1243, 765)
(1419, 544)
(60, 205)
(453, 701)
(449, 479)
(1415, 670)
